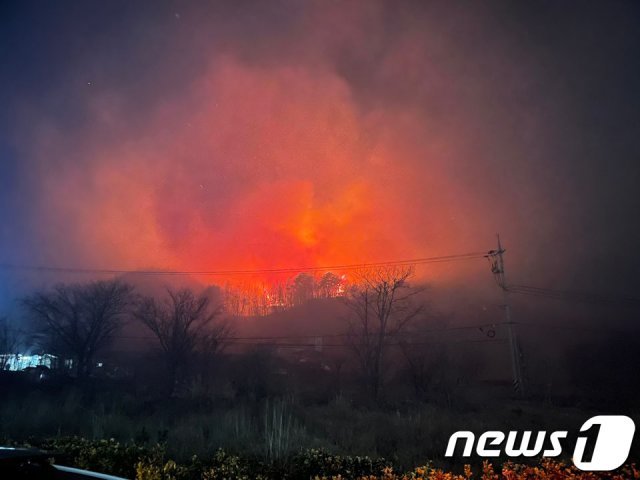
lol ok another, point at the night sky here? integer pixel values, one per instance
(217, 135)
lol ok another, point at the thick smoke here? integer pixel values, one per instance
(250, 135)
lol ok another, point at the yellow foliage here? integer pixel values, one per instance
(547, 470)
(148, 471)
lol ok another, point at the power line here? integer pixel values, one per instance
(585, 297)
(331, 335)
(228, 342)
(350, 345)
(352, 266)
(579, 328)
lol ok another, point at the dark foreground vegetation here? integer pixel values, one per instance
(152, 463)
(272, 437)
(183, 392)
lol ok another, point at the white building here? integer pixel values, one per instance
(18, 361)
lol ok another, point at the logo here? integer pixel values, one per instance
(603, 443)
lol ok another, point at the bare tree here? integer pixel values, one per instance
(247, 298)
(423, 366)
(185, 326)
(439, 371)
(81, 319)
(382, 306)
(301, 289)
(9, 340)
(329, 285)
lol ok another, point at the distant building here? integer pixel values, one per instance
(17, 361)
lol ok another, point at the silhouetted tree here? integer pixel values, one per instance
(302, 289)
(185, 326)
(329, 285)
(247, 298)
(80, 319)
(381, 304)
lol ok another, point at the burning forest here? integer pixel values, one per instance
(319, 239)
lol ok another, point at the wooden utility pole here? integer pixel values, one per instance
(498, 269)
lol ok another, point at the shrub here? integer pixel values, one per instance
(106, 456)
(227, 467)
(144, 463)
(315, 462)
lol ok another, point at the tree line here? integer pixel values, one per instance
(78, 321)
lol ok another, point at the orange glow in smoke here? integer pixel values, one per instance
(252, 167)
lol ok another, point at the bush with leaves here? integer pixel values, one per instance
(317, 462)
(106, 456)
(150, 463)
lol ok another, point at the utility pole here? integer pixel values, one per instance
(497, 268)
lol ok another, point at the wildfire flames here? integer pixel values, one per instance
(261, 298)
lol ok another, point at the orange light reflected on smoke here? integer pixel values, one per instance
(251, 168)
